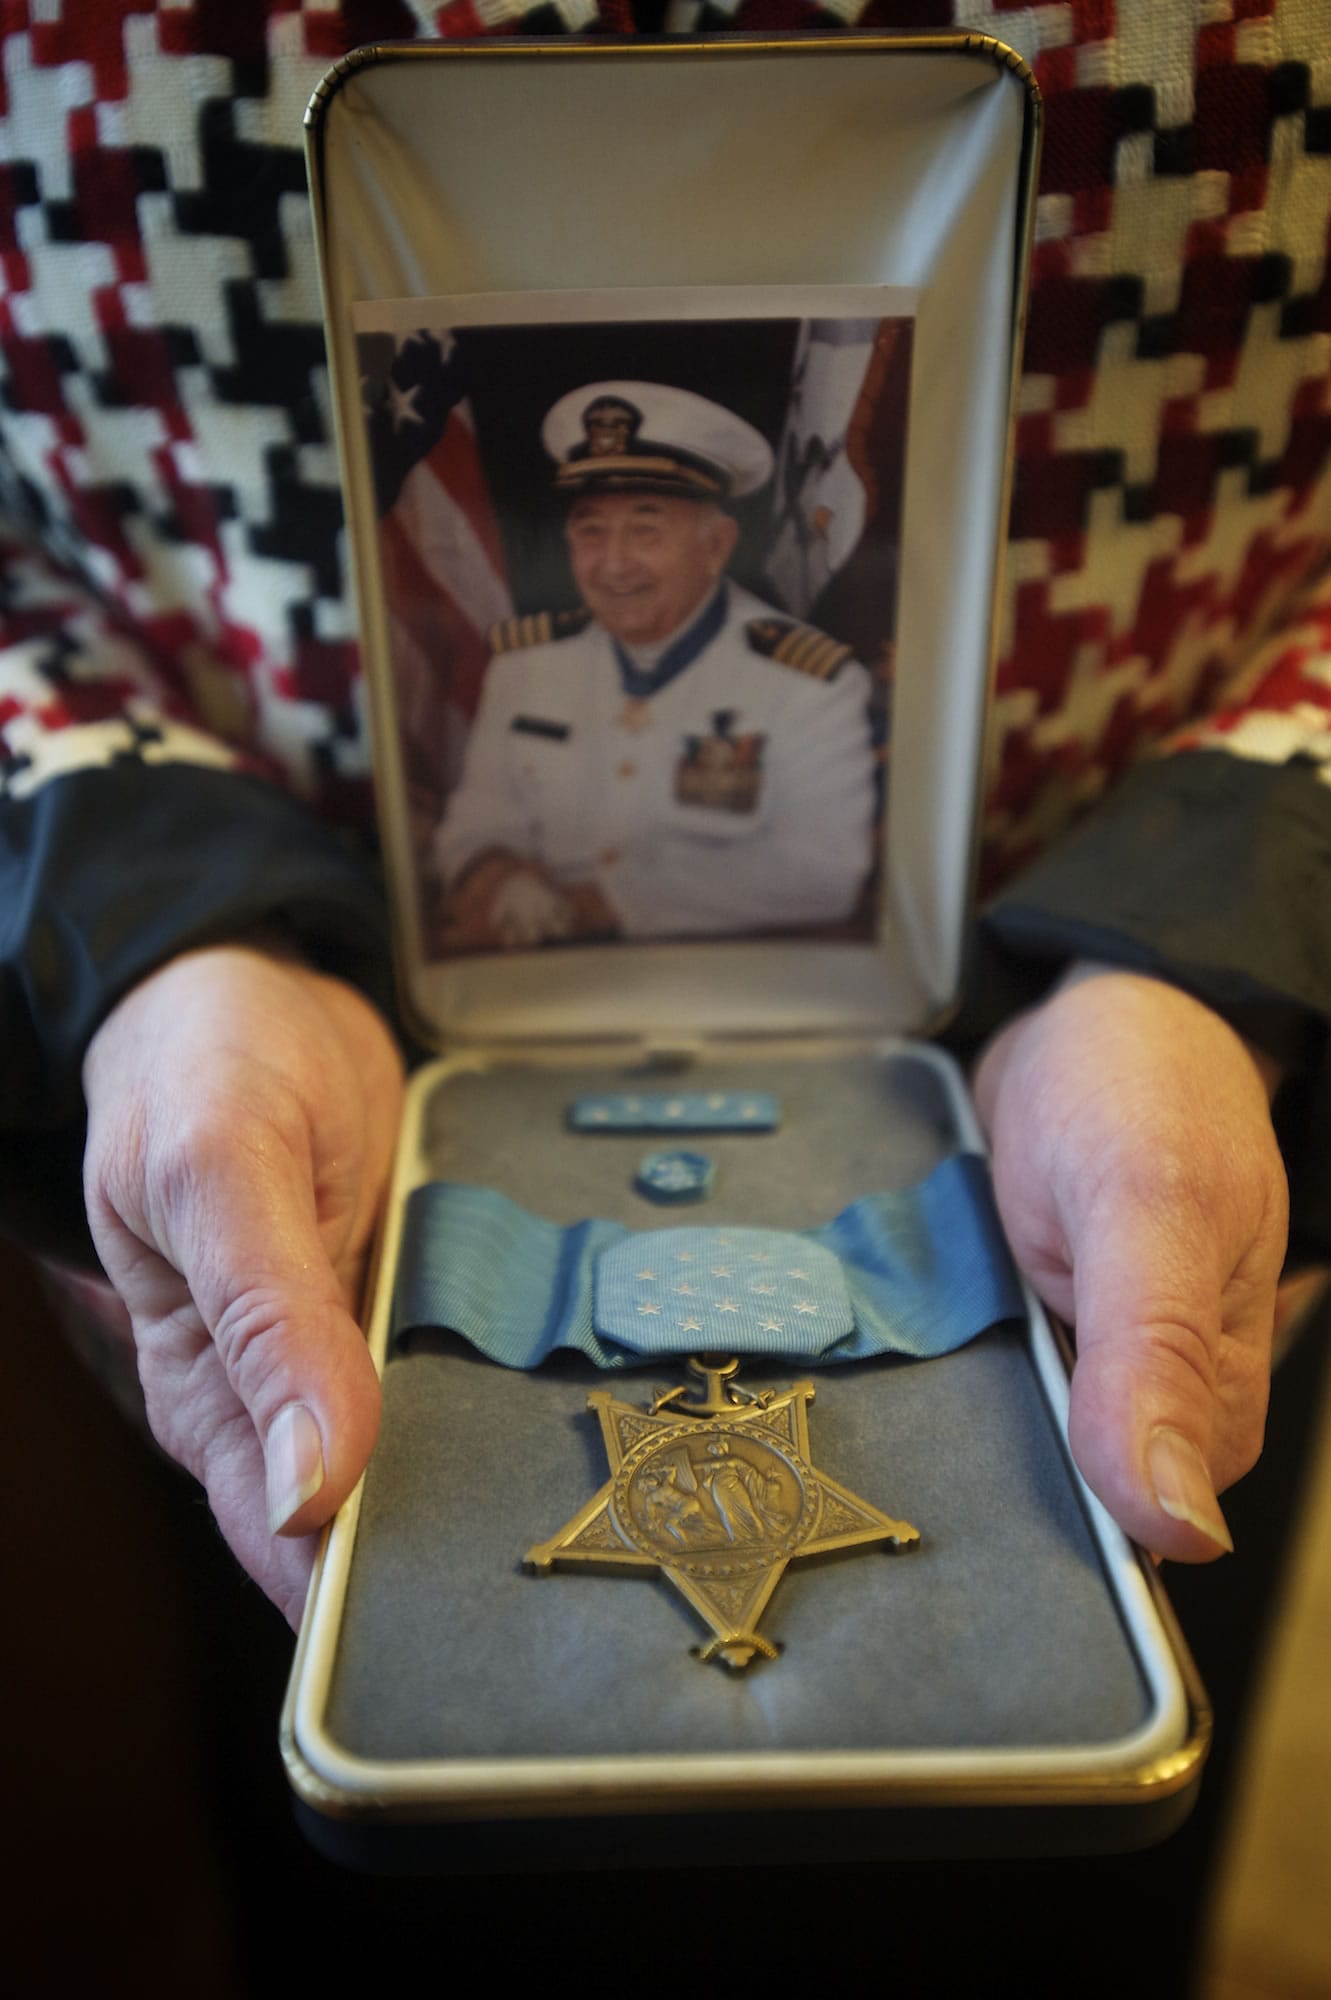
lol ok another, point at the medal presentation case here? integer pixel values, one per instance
(673, 385)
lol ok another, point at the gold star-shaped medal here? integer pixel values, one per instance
(719, 1494)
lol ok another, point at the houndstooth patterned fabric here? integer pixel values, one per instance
(172, 577)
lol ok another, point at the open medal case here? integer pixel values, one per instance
(826, 243)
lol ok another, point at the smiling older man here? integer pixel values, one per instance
(676, 758)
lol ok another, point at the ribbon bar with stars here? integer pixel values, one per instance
(677, 1111)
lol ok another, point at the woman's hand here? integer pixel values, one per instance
(1142, 1191)
(242, 1111)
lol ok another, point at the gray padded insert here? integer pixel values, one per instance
(998, 1631)
(851, 1124)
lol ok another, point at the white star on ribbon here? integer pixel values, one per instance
(690, 1325)
(646, 1276)
(761, 1288)
(721, 1271)
(725, 1306)
(772, 1326)
(805, 1306)
(650, 1307)
(686, 1290)
(797, 1274)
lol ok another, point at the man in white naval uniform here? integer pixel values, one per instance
(677, 759)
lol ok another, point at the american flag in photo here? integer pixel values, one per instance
(836, 525)
(444, 571)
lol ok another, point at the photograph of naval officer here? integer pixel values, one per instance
(676, 758)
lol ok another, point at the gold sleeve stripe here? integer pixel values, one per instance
(532, 629)
(801, 650)
(802, 647)
(829, 657)
(787, 647)
(511, 633)
(536, 628)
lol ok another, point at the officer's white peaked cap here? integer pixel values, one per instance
(644, 437)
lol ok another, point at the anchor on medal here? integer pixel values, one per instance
(717, 1491)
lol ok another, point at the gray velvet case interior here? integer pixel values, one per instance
(998, 1631)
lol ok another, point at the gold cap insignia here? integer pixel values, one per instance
(611, 426)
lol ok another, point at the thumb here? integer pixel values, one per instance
(1145, 1415)
(265, 1288)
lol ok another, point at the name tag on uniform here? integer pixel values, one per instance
(539, 725)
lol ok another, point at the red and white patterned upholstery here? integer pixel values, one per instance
(166, 435)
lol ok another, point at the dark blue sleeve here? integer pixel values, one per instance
(107, 873)
(1212, 871)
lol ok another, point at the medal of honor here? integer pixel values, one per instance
(636, 714)
(713, 1484)
(718, 1491)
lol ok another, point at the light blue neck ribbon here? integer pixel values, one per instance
(680, 653)
(919, 1272)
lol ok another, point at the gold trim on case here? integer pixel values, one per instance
(597, 1787)
(674, 48)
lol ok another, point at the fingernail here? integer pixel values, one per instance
(294, 1459)
(1183, 1486)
